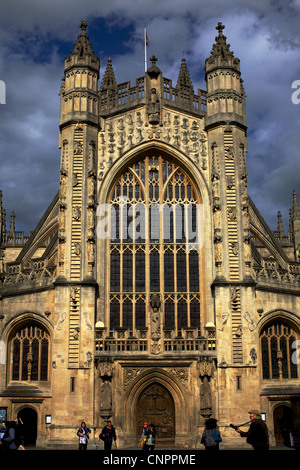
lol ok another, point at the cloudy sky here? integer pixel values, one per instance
(36, 36)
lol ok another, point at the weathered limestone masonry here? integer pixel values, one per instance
(75, 286)
(106, 315)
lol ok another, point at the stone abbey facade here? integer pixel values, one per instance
(152, 288)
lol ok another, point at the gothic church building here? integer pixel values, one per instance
(152, 289)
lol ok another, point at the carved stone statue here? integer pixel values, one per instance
(155, 323)
(106, 397)
(154, 108)
(205, 398)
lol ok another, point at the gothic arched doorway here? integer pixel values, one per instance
(156, 405)
(29, 431)
(283, 423)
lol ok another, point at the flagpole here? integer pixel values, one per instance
(145, 41)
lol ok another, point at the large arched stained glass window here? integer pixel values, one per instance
(30, 353)
(154, 245)
(277, 341)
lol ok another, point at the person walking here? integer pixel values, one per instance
(108, 435)
(20, 433)
(2, 434)
(257, 434)
(211, 436)
(9, 439)
(144, 437)
(84, 434)
(150, 434)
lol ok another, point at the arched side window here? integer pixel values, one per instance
(276, 342)
(29, 345)
(154, 222)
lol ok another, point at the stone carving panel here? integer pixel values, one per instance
(119, 135)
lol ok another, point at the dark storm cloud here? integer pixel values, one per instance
(36, 35)
(29, 140)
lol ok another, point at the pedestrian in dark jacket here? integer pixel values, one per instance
(108, 435)
(257, 434)
(9, 439)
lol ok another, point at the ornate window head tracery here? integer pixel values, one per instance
(153, 245)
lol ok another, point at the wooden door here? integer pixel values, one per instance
(283, 423)
(155, 405)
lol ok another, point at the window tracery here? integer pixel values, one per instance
(154, 219)
(276, 342)
(30, 353)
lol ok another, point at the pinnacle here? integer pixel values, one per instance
(184, 79)
(279, 224)
(221, 48)
(220, 27)
(83, 46)
(296, 210)
(83, 26)
(109, 79)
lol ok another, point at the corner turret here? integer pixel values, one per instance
(225, 91)
(79, 91)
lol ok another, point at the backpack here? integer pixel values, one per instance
(217, 436)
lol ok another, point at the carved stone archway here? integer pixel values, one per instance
(159, 394)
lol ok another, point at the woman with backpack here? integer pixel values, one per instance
(211, 435)
(108, 435)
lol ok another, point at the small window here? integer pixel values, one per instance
(72, 384)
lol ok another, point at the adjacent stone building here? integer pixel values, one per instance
(152, 288)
